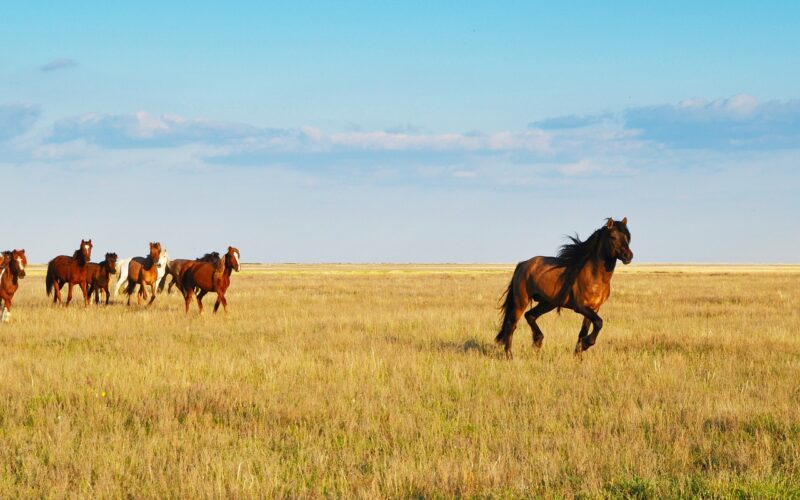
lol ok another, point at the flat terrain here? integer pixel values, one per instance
(384, 381)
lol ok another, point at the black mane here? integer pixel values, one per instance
(212, 257)
(78, 255)
(573, 256)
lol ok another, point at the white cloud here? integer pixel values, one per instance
(16, 119)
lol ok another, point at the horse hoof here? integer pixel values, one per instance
(537, 343)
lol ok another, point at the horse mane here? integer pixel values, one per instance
(212, 257)
(573, 256)
(78, 256)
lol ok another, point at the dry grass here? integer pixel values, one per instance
(384, 381)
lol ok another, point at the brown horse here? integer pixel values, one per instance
(70, 270)
(578, 279)
(176, 268)
(97, 275)
(12, 269)
(143, 271)
(208, 277)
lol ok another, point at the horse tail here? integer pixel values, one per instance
(49, 279)
(508, 310)
(131, 287)
(187, 281)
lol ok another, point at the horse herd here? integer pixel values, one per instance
(192, 277)
(578, 278)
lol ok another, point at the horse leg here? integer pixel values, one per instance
(82, 284)
(584, 329)
(6, 316)
(221, 299)
(588, 341)
(187, 297)
(108, 295)
(152, 293)
(142, 293)
(531, 316)
(69, 293)
(200, 300)
(57, 291)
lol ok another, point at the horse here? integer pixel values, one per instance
(143, 271)
(70, 270)
(122, 266)
(208, 277)
(176, 268)
(11, 271)
(97, 275)
(579, 278)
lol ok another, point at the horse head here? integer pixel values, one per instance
(86, 249)
(111, 263)
(18, 262)
(164, 259)
(618, 240)
(233, 258)
(155, 252)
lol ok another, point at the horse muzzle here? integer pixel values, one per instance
(627, 258)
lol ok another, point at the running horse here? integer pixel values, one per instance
(69, 270)
(97, 276)
(579, 278)
(208, 277)
(176, 268)
(143, 271)
(122, 266)
(12, 269)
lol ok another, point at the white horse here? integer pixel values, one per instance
(122, 269)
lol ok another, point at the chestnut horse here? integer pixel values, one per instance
(97, 276)
(143, 271)
(208, 277)
(12, 269)
(69, 270)
(176, 268)
(579, 278)
(122, 265)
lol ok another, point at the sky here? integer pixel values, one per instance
(401, 132)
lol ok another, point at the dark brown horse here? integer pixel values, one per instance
(69, 270)
(97, 275)
(143, 271)
(176, 268)
(12, 269)
(207, 277)
(579, 278)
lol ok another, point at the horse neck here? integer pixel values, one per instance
(602, 266)
(80, 259)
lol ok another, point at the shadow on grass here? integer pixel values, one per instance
(472, 346)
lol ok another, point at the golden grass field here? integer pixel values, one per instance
(375, 381)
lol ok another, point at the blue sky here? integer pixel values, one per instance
(369, 131)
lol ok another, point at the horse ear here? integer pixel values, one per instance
(624, 221)
(230, 248)
(610, 223)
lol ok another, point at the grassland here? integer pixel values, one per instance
(384, 381)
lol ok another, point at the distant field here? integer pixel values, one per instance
(383, 380)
